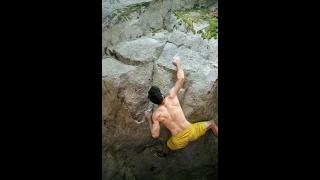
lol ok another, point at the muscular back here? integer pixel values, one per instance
(170, 114)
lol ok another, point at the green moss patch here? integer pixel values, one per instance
(155, 31)
(211, 17)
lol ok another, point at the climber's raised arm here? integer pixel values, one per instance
(180, 79)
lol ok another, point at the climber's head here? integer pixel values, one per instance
(155, 95)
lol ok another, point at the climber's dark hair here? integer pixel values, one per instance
(155, 95)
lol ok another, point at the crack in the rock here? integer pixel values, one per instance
(154, 68)
(156, 58)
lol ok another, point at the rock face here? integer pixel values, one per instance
(200, 77)
(123, 21)
(135, 57)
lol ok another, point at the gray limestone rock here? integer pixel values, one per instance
(134, 59)
(158, 14)
(177, 38)
(200, 76)
(125, 86)
(170, 21)
(140, 51)
(131, 82)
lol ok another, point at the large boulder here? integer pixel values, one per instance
(126, 79)
(200, 76)
(131, 84)
(137, 54)
(121, 106)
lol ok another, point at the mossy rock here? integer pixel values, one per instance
(204, 16)
(155, 31)
(125, 13)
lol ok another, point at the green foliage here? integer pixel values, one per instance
(205, 15)
(154, 31)
(211, 30)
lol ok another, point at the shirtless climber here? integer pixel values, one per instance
(170, 114)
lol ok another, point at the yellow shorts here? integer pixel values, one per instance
(193, 132)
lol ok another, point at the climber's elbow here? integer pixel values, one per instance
(155, 134)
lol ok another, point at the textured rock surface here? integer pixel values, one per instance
(109, 6)
(135, 57)
(155, 16)
(200, 77)
(140, 51)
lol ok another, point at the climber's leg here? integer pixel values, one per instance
(211, 125)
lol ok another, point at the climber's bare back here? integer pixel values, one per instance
(170, 114)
